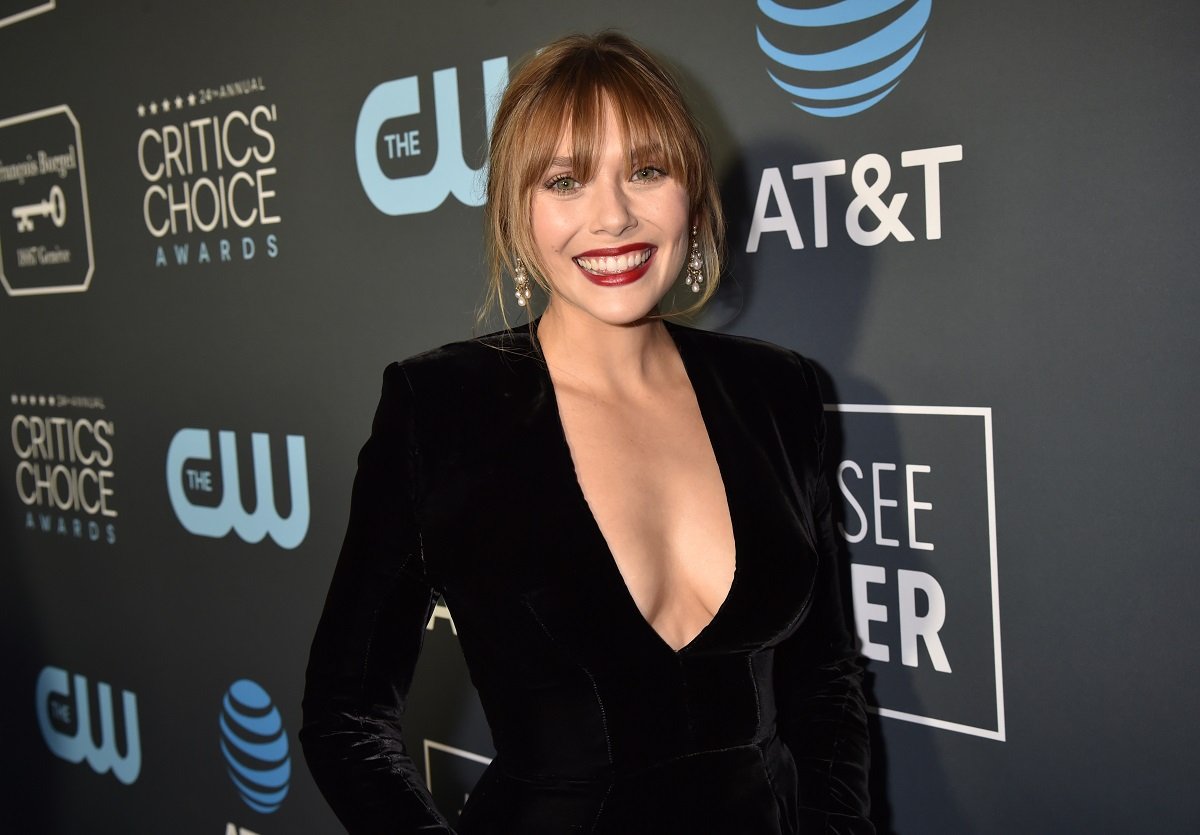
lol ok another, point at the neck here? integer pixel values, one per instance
(598, 356)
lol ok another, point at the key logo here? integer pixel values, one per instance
(862, 48)
(190, 473)
(393, 101)
(255, 746)
(45, 223)
(65, 717)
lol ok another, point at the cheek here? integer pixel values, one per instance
(550, 226)
(674, 212)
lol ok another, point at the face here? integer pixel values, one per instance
(612, 246)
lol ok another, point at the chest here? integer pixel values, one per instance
(546, 536)
(652, 483)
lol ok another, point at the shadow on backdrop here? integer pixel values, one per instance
(814, 300)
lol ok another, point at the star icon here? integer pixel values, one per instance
(179, 102)
(141, 110)
(166, 105)
(153, 108)
(191, 99)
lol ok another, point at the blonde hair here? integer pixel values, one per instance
(567, 85)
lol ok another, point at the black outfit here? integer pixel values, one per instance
(466, 488)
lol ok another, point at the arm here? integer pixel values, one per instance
(368, 639)
(818, 672)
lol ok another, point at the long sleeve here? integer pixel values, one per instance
(818, 671)
(368, 639)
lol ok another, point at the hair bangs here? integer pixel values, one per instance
(654, 128)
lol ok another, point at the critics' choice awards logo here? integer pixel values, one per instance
(207, 157)
(918, 495)
(65, 455)
(45, 223)
(853, 52)
(208, 499)
(65, 713)
(409, 164)
(255, 746)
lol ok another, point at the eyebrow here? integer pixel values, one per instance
(651, 151)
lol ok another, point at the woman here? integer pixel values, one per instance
(625, 516)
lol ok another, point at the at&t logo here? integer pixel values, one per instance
(187, 456)
(65, 718)
(450, 174)
(864, 46)
(255, 746)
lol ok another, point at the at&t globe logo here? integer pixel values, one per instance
(841, 58)
(255, 746)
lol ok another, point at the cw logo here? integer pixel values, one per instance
(450, 173)
(53, 703)
(193, 445)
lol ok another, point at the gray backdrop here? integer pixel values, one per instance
(1009, 385)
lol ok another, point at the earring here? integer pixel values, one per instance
(521, 279)
(695, 265)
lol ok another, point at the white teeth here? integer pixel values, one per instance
(614, 264)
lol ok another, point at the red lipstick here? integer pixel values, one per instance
(607, 279)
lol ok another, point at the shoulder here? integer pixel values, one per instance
(755, 361)
(467, 371)
(468, 358)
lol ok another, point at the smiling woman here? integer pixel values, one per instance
(582, 227)
(584, 104)
(627, 517)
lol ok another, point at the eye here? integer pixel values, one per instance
(563, 184)
(648, 173)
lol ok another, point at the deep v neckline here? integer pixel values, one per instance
(577, 488)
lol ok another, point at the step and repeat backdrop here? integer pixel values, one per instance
(220, 220)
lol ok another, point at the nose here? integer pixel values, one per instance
(613, 211)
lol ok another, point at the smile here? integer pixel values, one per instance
(615, 266)
(609, 265)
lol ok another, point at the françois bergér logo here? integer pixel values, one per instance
(45, 222)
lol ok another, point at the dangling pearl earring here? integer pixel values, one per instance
(695, 265)
(521, 279)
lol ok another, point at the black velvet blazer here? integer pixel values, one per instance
(466, 488)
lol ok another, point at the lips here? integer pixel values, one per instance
(614, 266)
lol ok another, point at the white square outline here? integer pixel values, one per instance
(449, 749)
(30, 12)
(87, 211)
(958, 411)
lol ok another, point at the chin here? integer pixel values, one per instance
(619, 308)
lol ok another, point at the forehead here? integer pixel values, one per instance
(610, 126)
(605, 129)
